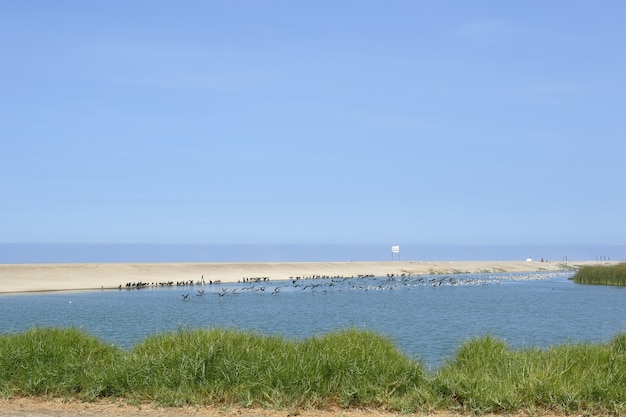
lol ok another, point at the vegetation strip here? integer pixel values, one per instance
(601, 274)
(348, 368)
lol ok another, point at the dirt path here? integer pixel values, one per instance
(57, 408)
(28, 407)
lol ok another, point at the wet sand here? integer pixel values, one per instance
(15, 278)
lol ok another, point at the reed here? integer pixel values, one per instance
(602, 274)
(347, 368)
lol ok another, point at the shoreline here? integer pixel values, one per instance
(26, 278)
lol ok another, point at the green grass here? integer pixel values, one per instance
(348, 368)
(486, 376)
(54, 362)
(601, 274)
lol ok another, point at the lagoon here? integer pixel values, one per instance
(427, 316)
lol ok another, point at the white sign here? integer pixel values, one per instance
(395, 249)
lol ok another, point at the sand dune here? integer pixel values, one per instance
(58, 277)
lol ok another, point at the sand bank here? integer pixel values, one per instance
(59, 277)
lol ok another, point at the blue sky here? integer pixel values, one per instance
(313, 122)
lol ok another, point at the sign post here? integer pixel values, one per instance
(395, 249)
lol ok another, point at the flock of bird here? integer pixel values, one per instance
(322, 284)
(187, 283)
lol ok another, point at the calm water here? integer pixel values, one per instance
(427, 316)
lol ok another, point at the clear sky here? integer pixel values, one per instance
(313, 122)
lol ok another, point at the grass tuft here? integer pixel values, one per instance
(54, 362)
(487, 376)
(348, 368)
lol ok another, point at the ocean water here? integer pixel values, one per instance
(426, 316)
(66, 252)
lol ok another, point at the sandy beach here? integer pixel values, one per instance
(15, 278)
